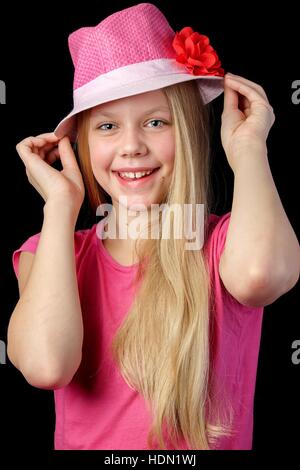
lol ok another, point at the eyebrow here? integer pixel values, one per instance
(149, 111)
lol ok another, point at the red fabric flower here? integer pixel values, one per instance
(194, 51)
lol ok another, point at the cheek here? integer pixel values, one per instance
(167, 152)
(100, 159)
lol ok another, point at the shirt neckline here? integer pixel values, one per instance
(106, 255)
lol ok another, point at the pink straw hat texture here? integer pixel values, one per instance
(133, 51)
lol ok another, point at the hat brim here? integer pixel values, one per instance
(122, 83)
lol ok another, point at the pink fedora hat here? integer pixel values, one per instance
(133, 51)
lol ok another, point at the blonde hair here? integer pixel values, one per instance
(162, 347)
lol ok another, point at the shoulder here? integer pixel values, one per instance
(82, 239)
(217, 227)
(80, 236)
(217, 221)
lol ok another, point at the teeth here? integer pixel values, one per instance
(136, 175)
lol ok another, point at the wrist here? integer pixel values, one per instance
(247, 144)
(251, 151)
(60, 208)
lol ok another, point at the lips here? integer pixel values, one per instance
(134, 170)
(136, 182)
(127, 178)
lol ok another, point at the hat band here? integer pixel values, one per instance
(151, 75)
(122, 82)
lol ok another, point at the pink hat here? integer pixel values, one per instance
(134, 51)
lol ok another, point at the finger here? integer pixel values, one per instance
(43, 141)
(33, 143)
(40, 141)
(29, 154)
(249, 92)
(66, 153)
(47, 149)
(39, 169)
(231, 99)
(53, 156)
(254, 85)
(36, 150)
(49, 136)
(36, 145)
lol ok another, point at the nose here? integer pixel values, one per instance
(132, 144)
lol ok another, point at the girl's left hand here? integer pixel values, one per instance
(247, 116)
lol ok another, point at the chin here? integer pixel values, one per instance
(138, 207)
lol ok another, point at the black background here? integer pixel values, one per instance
(251, 41)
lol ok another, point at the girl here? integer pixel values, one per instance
(148, 345)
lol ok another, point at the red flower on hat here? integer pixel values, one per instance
(194, 51)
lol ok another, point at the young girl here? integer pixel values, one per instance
(147, 344)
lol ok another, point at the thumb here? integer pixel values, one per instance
(66, 154)
(231, 99)
(231, 115)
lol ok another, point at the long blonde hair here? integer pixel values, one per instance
(162, 347)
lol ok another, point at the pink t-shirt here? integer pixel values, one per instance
(97, 409)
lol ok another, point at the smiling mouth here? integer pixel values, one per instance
(126, 178)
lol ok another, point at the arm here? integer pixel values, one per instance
(261, 257)
(45, 332)
(260, 236)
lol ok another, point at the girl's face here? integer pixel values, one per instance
(133, 133)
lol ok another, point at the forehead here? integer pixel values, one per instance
(141, 103)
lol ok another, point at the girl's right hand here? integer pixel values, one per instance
(37, 154)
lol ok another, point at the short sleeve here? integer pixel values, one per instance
(30, 245)
(218, 228)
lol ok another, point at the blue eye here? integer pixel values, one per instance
(110, 124)
(157, 120)
(106, 124)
